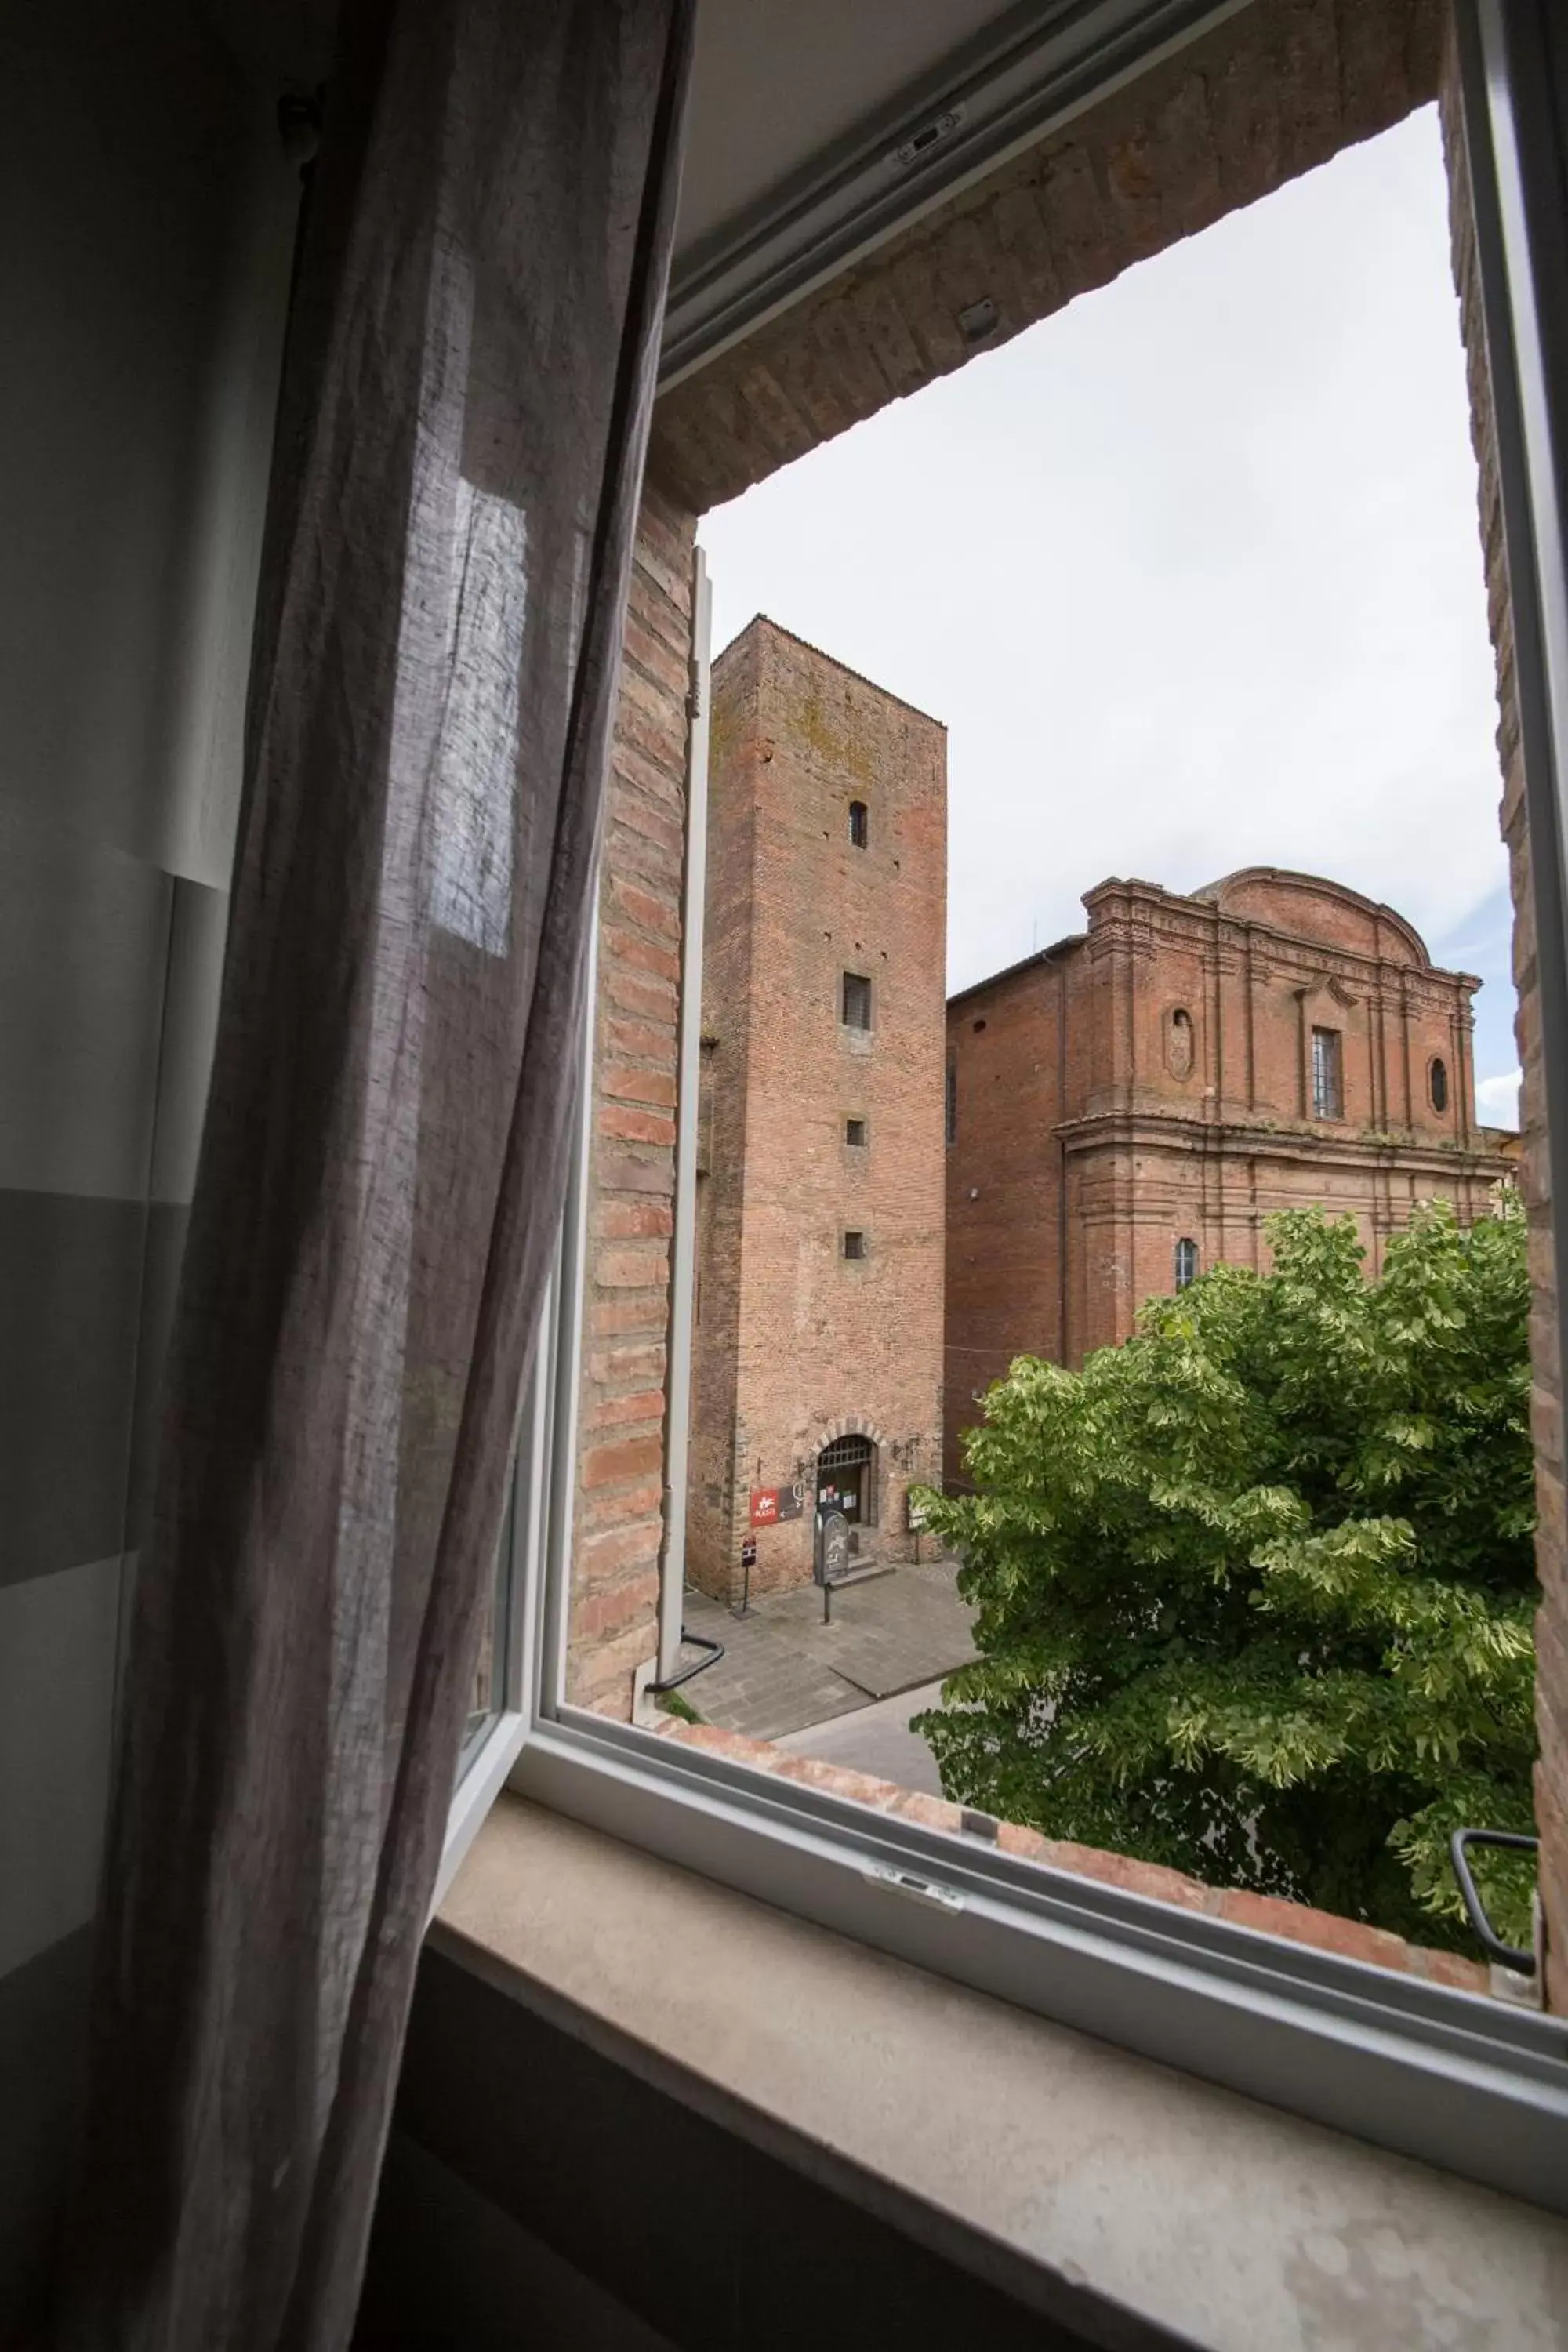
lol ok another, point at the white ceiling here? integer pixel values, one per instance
(820, 127)
(809, 123)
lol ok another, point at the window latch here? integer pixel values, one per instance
(919, 1889)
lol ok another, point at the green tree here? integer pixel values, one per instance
(1255, 1588)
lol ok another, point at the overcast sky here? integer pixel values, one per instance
(1191, 572)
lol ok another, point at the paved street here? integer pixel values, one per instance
(876, 1739)
(786, 1675)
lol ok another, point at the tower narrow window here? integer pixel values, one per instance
(855, 1131)
(1186, 1263)
(857, 1014)
(853, 1244)
(950, 1105)
(1437, 1083)
(859, 825)
(1328, 1074)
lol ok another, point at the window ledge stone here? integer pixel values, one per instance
(1114, 2195)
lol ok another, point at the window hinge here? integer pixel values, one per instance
(922, 1890)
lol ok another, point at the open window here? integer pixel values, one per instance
(632, 1534)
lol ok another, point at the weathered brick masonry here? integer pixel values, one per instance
(619, 1509)
(797, 1344)
(1269, 94)
(1278, 89)
(1148, 1085)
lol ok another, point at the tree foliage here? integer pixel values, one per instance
(1255, 1590)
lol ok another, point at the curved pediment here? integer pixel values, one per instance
(1306, 907)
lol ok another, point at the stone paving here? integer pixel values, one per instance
(876, 1739)
(783, 1671)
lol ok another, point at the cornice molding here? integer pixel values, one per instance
(1195, 1138)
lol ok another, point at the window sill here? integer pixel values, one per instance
(1108, 2192)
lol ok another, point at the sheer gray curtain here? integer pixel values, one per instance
(460, 455)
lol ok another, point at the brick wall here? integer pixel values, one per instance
(1269, 1914)
(718, 1484)
(1270, 94)
(618, 1519)
(1552, 1532)
(1008, 1047)
(797, 1344)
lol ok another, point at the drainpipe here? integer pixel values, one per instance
(678, 1364)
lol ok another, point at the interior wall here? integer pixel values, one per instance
(146, 232)
(538, 2188)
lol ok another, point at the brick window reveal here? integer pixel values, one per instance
(856, 1012)
(859, 825)
(1328, 1074)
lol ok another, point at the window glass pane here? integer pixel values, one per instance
(488, 1695)
(1327, 1093)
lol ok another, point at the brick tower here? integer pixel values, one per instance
(817, 1354)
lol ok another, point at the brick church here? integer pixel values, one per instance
(1126, 1108)
(817, 1344)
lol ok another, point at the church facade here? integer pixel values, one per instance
(1127, 1107)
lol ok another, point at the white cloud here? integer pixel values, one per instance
(1191, 571)
(1498, 1098)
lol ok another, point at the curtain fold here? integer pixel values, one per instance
(459, 452)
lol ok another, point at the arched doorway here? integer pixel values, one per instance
(846, 1479)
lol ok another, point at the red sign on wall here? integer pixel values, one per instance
(771, 1504)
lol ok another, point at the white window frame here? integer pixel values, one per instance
(1477, 2087)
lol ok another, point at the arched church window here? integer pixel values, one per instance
(859, 825)
(1437, 1081)
(1186, 1263)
